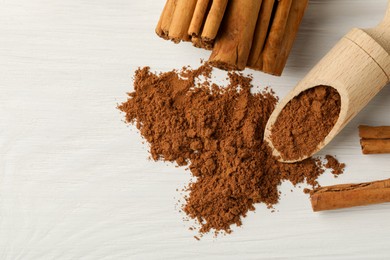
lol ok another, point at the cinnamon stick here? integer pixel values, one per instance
(255, 60)
(197, 42)
(182, 15)
(374, 132)
(294, 20)
(213, 22)
(198, 18)
(374, 140)
(158, 29)
(162, 28)
(375, 146)
(350, 195)
(206, 21)
(275, 36)
(233, 43)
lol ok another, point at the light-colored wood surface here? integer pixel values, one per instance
(358, 67)
(75, 182)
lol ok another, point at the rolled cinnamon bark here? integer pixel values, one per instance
(213, 22)
(255, 60)
(197, 42)
(198, 18)
(350, 195)
(162, 28)
(233, 43)
(178, 30)
(158, 29)
(275, 36)
(374, 132)
(375, 146)
(295, 17)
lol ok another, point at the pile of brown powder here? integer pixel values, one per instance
(218, 132)
(305, 122)
(336, 167)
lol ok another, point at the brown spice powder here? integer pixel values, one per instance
(336, 167)
(218, 132)
(305, 122)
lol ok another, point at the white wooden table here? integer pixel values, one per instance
(75, 182)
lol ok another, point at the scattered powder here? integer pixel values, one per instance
(333, 164)
(218, 132)
(305, 122)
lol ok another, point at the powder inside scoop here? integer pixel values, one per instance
(305, 121)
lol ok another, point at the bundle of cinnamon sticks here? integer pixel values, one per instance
(258, 34)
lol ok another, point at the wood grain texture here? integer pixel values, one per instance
(75, 182)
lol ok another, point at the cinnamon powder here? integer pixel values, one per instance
(305, 122)
(218, 132)
(336, 167)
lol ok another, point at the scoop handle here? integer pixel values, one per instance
(381, 33)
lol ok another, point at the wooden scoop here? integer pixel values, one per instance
(358, 67)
